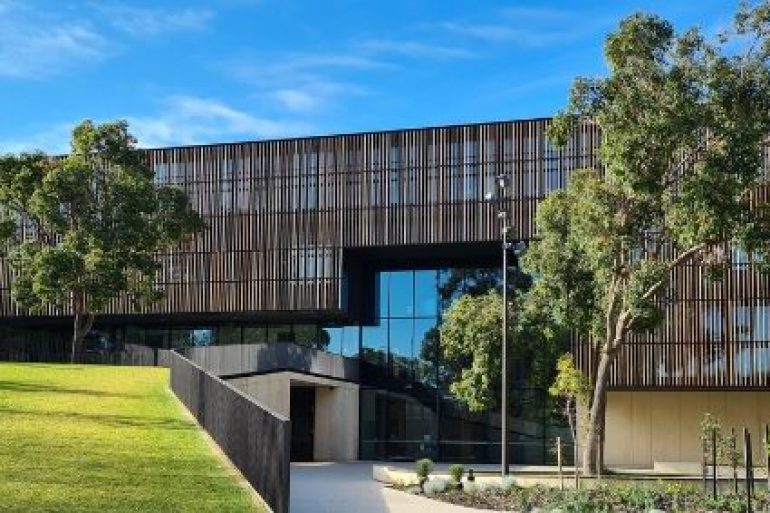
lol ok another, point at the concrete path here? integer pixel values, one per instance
(350, 488)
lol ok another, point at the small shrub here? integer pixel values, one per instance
(435, 485)
(423, 468)
(456, 471)
(471, 487)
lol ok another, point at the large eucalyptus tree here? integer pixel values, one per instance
(683, 121)
(83, 229)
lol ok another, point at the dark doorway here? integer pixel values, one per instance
(302, 423)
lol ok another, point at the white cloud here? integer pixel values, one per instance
(304, 82)
(149, 22)
(415, 49)
(529, 27)
(195, 120)
(54, 140)
(35, 45)
(182, 120)
(296, 99)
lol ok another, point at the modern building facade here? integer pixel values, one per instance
(354, 245)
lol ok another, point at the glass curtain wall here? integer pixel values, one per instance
(407, 410)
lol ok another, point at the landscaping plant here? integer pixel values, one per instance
(456, 472)
(423, 468)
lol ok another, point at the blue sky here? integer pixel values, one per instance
(187, 72)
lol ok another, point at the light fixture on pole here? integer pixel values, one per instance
(501, 196)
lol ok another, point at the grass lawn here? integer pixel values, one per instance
(100, 438)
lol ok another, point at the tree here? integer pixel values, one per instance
(683, 121)
(470, 337)
(571, 388)
(83, 229)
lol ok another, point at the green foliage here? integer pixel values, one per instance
(570, 382)
(456, 472)
(630, 497)
(470, 346)
(471, 331)
(710, 428)
(683, 121)
(423, 468)
(85, 228)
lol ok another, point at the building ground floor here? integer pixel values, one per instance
(378, 389)
(645, 430)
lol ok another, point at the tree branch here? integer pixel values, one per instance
(683, 257)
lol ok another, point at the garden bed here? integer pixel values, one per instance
(622, 499)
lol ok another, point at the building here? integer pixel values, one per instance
(351, 245)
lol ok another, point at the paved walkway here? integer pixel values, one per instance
(350, 488)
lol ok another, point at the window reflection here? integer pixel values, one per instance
(401, 348)
(401, 294)
(203, 337)
(426, 293)
(280, 333)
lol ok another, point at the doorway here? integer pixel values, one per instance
(302, 422)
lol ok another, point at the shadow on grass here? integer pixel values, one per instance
(109, 420)
(15, 386)
(57, 366)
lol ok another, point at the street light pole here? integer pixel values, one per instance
(504, 371)
(502, 182)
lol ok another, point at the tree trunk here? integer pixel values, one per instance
(593, 453)
(82, 324)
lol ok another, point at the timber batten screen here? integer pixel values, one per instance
(282, 215)
(279, 213)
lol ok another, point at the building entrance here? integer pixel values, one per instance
(302, 422)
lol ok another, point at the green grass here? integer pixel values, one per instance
(99, 438)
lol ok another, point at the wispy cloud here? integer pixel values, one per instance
(415, 49)
(54, 139)
(180, 120)
(150, 22)
(196, 120)
(36, 45)
(305, 82)
(528, 27)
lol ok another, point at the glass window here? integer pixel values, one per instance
(712, 321)
(156, 337)
(307, 335)
(280, 333)
(742, 323)
(383, 292)
(181, 337)
(133, 335)
(762, 324)
(374, 342)
(426, 293)
(401, 332)
(331, 339)
(204, 336)
(350, 340)
(254, 334)
(373, 428)
(401, 294)
(229, 334)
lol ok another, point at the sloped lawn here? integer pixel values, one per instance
(99, 438)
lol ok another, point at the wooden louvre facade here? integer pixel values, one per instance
(285, 218)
